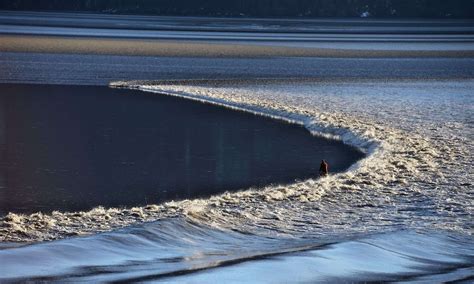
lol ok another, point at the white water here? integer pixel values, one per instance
(418, 136)
(418, 174)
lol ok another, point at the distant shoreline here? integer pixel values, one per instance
(231, 37)
(441, 26)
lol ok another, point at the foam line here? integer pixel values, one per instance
(413, 132)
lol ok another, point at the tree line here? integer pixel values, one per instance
(258, 8)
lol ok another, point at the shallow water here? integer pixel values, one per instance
(71, 148)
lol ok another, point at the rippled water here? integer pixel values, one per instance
(402, 214)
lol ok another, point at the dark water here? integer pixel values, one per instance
(75, 147)
(81, 69)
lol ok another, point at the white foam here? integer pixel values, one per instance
(418, 173)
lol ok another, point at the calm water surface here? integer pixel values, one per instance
(73, 148)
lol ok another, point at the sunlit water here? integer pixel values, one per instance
(404, 213)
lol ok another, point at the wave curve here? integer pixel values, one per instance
(399, 184)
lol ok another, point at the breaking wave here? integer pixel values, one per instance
(414, 133)
(179, 250)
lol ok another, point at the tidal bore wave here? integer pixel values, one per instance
(57, 225)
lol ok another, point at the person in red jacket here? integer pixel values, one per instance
(323, 168)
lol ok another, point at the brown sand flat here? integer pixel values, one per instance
(185, 48)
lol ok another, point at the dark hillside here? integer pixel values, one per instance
(258, 8)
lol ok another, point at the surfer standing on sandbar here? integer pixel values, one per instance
(323, 168)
